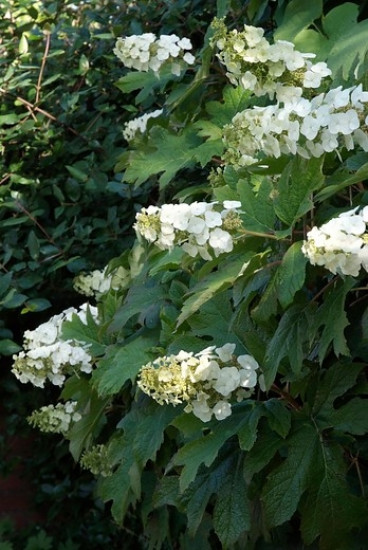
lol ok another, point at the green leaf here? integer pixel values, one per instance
(331, 315)
(9, 119)
(143, 428)
(286, 484)
(142, 298)
(167, 492)
(207, 150)
(36, 304)
(13, 299)
(197, 496)
(5, 282)
(347, 179)
(337, 380)
(262, 452)
(268, 304)
(117, 488)
(153, 419)
(122, 362)
(85, 430)
(87, 333)
(231, 515)
(144, 81)
(290, 339)
(247, 433)
(291, 274)
(279, 417)
(234, 101)
(352, 417)
(23, 44)
(33, 245)
(222, 7)
(347, 39)
(77, 173)
(205, 450)
(297, 182)
(8, 347)
(214, 320)
(169, 154)
(330, 510)
(211, 285)
(298, 16)
(257, 211)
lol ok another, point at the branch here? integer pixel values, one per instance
(43, 63)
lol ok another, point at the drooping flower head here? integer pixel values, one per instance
(199, 228)
(341, 244)
(207, 381)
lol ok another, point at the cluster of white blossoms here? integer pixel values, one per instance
(207, 381)
(55, 418)
(98, 282)
(309, 128)
(47, 357)
(139, 124)
(200, 228)
(148, 52)
(341, 244)
(264, 68)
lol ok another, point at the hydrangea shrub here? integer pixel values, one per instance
(225, 400)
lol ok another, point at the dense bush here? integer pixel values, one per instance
(218, 390)
(63, 207)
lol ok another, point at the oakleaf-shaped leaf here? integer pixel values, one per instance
(167, 154)
(215, 282)
(352, 417)
(205, 450)
(231, 515)
(298, 16)
(330, 510)
(286, 484)
(257, 211)
(297, 182)
(279, 417)
(122, 362)
(332, 317)
(291, 273)
(262, 452)
(337, 380)
(234, 101)
(291, 339)
(89, 333)
(141, 299)
(85, 430)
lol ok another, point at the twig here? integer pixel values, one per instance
(354, 460)
(48, 115)
(42, 68)
(287, 397)
(33, 219)
(5, 178)
(315, 298)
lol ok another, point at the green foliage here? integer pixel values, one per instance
(288, 467)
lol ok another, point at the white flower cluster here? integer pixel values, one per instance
(206, 381)
(263, 68)
(56, 419)
(147, 52)
(198, 227)
(340, 245)
(308, 128)
(139, 124)
(47, 357)
(98, 282)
